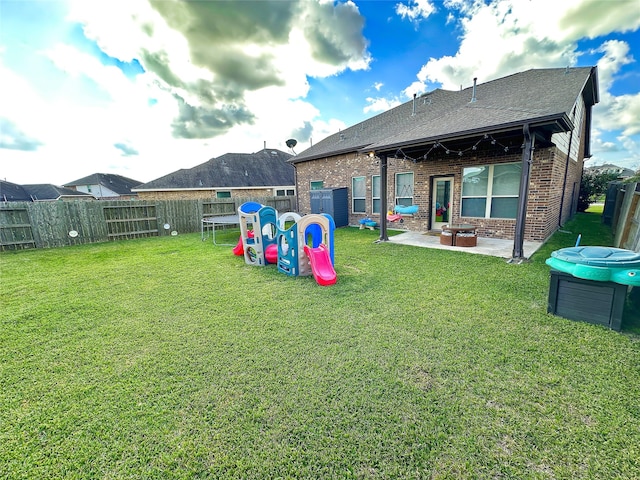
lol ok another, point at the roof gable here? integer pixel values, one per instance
(538, 97)
(266, 168)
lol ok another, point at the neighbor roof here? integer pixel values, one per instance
(12, 192)
(538, 97)
(47, 191)
(116, 183)
(266, 168)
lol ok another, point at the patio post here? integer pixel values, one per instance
(383, 198)
(521, 217)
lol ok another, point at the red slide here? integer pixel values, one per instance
(321, 266)
(238, 250)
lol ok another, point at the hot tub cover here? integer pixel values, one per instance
(598, 263)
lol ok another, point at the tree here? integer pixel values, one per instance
(592, 186)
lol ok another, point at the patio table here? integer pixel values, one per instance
(456, 228)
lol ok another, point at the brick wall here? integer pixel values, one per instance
(204, 194)
(545, 191)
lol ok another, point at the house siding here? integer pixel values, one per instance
(545, 188)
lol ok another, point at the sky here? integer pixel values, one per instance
(143, 88)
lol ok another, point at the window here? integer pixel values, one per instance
(358, 193)
(404, 189)
(223, 194)
(281, 192)
(317, 185)
(375, 193)
(491, 191)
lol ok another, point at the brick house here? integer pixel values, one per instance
(266, 173)
(505, 156)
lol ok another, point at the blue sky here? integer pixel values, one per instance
(142, 88)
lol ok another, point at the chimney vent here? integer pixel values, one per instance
(414, 105)
(473, 96)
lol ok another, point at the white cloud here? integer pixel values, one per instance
(375, 105)
(211, 84)
(416, 10)
(502, 37)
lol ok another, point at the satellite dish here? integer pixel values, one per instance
(292, 142)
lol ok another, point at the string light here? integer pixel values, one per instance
(403, 156)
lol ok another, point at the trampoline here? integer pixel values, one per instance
(209, 225)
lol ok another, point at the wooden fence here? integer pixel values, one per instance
(55, 224)
(622, 212)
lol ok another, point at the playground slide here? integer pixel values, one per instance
(321, 265)
(238, 250)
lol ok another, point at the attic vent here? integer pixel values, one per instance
(341, 136)
(274, 153)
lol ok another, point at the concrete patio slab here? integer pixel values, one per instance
(485, 246)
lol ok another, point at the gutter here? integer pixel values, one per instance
(560, 121)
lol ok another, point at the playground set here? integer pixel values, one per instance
(305, 248)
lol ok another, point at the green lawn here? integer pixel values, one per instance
(170, 358)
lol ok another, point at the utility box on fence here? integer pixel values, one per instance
(601, 303)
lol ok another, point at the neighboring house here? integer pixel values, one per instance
(460, 156)
(106, 186)
(621, 172)
(262, 174)
(44, 192)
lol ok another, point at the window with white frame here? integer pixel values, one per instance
(358, 194)
(375, 194)
(491, 191)
(281, 192)
(404, 188)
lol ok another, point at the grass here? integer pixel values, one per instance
(170, 358)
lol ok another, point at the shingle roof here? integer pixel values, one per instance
(47, 191)
(12, 192)
(266, 168)
(116, 183)
(537, 97)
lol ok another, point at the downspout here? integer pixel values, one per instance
(383, 199)
(564, 181)
(518, 238)
(295, 183)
